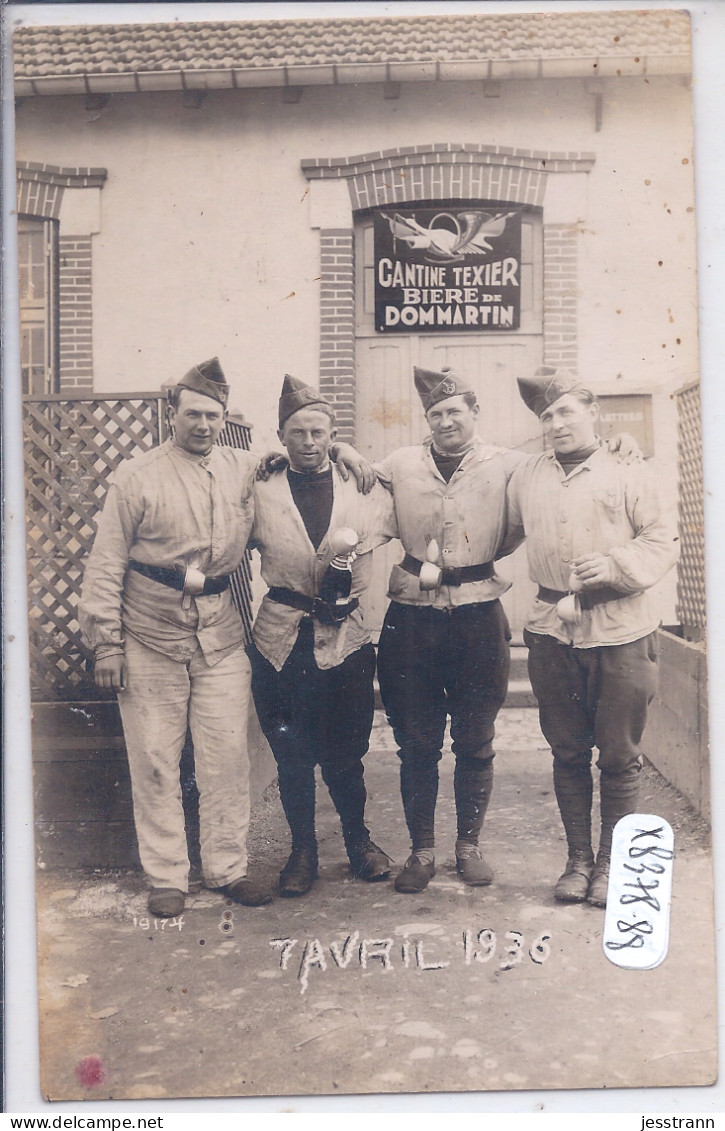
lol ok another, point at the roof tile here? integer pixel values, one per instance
(125, 48)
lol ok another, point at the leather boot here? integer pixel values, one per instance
(296, 783)
(472, 786)
(618, 795)
(472, 866)
(299, 873)
(599, 885)
(573, 884)
(419, 791)
(573, 790)
(416, 873)
(248, 892)
(166, 903)
(367, 861)
(346, 785)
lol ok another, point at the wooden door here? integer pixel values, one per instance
(390, 415)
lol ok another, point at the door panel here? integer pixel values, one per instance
(390, 415)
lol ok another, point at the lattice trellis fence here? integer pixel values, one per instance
(71, 448)
(691, 609)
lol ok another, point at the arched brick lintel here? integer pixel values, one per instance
(447, 182)
(40, 187)
(435, 172)
(446, 171)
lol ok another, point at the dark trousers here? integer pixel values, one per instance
(312, 717)
(593, 697)
(433, 663)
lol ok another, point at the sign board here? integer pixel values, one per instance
(455, 269)
(628, 412)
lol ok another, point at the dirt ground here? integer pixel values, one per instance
(358, 989)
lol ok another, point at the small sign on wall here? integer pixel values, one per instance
(628, 412)
(456, 269)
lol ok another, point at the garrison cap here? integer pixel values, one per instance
(546, 386)
(207, 378)
(433, 387)
(297, 394)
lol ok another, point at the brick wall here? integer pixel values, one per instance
(337, 326)
(445, 171)
(75, 308)
(560, 295)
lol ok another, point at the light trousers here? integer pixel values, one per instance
(162, 696)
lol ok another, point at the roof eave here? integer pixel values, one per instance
(225, 78)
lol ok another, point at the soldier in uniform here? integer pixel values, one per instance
(597, 541)
(156, 609)
(312, 659)
(444, 646)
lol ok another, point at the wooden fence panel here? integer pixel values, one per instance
(691, 607)
(71, 447)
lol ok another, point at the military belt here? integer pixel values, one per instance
(454, 575)
(313, 606)
(174, 578)
(587, 598)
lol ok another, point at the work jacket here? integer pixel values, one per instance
(467, 518)
(169, 507)
(291, 561)
(603, 506)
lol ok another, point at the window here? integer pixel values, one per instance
(38, 285)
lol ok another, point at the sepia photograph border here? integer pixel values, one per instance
(22, 1086)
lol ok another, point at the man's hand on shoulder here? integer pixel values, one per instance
(110, 673)
(269, 463)
(348, 459)
(625, 448)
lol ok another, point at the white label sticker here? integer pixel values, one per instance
(637, 919)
